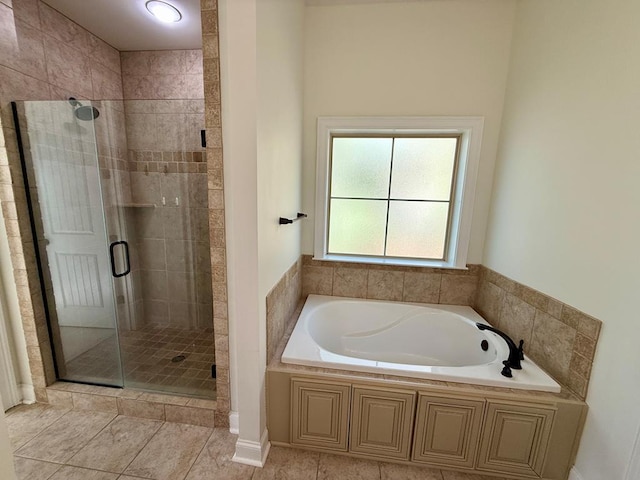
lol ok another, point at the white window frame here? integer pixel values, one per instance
(470, 131)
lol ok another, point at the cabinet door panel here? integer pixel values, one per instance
(382, 422)
(447, 430)
(515, 439)
(319, 414)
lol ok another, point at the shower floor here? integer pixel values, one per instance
(147, 356)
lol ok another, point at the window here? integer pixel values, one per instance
(396, 190)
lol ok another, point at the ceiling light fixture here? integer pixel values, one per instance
(163, 11)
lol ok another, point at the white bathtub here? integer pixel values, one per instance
(438, 342)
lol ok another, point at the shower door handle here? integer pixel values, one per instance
(113, 259)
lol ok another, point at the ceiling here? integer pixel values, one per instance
(126, 24)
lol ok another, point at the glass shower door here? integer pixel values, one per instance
(80, 259)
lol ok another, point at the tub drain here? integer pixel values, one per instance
(178, 358)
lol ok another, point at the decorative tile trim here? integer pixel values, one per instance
(389, 282)
(558, 337)
(167, 162)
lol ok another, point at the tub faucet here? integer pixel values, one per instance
(515, 352)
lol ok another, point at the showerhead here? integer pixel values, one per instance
(84, 112)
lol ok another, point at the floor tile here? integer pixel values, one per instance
(26, 421)
(215, 460)
(170, 453)
(336, 467)
(117, 445)
(64, 438)
(289, 464)
(392, 471)
(74, 473)
(28, 469)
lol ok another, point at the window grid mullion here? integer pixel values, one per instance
(386, 224)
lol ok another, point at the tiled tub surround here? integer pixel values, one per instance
(394, 283)
(558, 337)
(282, 301)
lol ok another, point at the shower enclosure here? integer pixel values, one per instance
(122, 242)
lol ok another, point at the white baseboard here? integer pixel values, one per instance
(28, 394)
(253, 453)
(574, 474)
(234, 423)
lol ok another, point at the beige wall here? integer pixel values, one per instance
(413, 58)
(565, 207)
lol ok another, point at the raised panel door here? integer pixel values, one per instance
(382, 422)
(515, 438)
(319, 414)
(447, 430)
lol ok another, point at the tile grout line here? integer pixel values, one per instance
(144, 446)
(213, 430)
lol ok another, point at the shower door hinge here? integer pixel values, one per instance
(213, 371)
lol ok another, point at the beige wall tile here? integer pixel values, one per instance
(94, 403)
(458, 289)
(517, 319)
(317, 280)
(489, 301)
(61, 28)
(137, 408)
(585, 346)
(385, 285)
(350, 282)
(190, 415)
(552, 345)
(421, 287)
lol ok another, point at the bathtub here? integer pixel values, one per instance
(437, 342)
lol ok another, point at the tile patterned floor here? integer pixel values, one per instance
(57, 444)
(147, 361)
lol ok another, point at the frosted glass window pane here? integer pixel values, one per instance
(360, 167)
(423, 168)
(417, 229)
(357, 226)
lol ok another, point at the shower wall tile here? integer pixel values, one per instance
(557, 336)
(105, 82)
(27, 10)
(23, 50)
(105, 54)
(63, 29)
(65, 68)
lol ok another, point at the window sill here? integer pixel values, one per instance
(410, 262)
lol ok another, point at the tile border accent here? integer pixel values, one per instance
(558, 337)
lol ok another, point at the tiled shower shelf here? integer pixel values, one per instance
(133, 403)
(138, 205)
